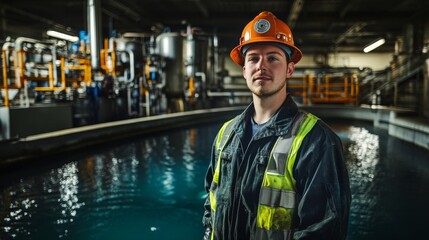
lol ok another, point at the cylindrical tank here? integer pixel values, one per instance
(198, 56)
(171, 47)
(185, 56)
(94, 27)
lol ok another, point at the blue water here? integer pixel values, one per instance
(152, 188)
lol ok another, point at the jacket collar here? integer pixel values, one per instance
(278, 124)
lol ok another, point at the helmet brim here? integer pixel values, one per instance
(238, 57)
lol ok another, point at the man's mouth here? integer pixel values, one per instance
(262, 78)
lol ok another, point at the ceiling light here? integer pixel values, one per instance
(377, 43)
(62, 36)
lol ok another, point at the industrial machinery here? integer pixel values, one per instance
(138, 75)
(39, 81)
(41, 71)
(189, 67)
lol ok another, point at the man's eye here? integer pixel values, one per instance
(272, 58)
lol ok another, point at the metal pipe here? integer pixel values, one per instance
(94, 21)
(19, 64)
(163, 79)
(5, 57)
(228, 94)
(215, 63)
(5, 85)
(129, 100)
(21, 40)
(132, 70)
(54, 64)
(190, 53)
(203, 82)
(7, 45)
(19, 58)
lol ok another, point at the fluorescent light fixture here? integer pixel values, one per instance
(62, 36)
(377, 43)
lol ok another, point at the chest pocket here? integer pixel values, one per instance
(225, 160)
(261, 163)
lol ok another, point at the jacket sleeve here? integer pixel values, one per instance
(207, 184)
(323, 189)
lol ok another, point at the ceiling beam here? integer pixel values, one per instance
(294, 12)
(126, 10)
(202, 8)
(38, 18)
(350, 32)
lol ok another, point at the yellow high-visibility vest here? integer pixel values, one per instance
(277, 195)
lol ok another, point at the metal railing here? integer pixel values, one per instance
(326, 88)
(399, 85)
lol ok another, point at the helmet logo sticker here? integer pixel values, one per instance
(262, 26)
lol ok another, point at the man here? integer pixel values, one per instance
(275, 172)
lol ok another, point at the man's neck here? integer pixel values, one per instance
(266, 107)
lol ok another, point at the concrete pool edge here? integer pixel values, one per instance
(397, 122)
(19, 150)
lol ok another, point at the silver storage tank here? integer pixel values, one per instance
(199, 56)
(171, 46)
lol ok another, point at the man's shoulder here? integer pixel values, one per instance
(323, 132)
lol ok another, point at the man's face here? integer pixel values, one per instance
(266, 70)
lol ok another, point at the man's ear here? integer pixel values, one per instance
(244, 71)
(290, 69)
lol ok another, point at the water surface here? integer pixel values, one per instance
(152, 188)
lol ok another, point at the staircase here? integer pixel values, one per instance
(401, 85)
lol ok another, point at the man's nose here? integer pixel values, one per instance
(261, 65)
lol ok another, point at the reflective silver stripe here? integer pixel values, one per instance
(262, 234)
(277, 198)
(277, 163)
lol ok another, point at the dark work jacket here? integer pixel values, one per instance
(322, 183)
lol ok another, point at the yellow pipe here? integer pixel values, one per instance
(346, 81)
(22, 68)
(63, 72)
(102, 60)
(191, 87)
(49, 89)
(89, 74)
(5, 85)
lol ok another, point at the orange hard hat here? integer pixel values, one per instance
(266, 28)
